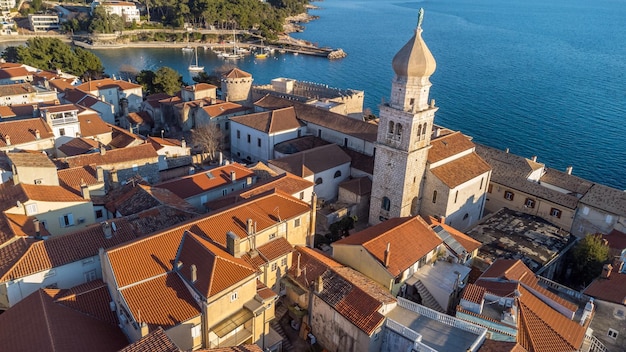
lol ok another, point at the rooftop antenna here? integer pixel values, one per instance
(277, 211)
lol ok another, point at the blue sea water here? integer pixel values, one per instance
(543, 78)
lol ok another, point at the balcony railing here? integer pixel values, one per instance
(64, 120)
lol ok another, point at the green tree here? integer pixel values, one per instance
(167, 80)
(146, 79)
(588, 257)
(103, 22)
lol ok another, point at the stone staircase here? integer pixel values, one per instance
(427, 299)
(275, 324)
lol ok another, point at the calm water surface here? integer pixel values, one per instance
(541, 78)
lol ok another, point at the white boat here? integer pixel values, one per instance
(195, 67)
(234, 54)
(187, 48)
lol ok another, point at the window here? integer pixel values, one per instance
(274, 266)
(612, 333)
(345, 142)
(319, 181)
(609, 219)
(337, 174)
(203, 199)
(301, 195)
(88, 261)
(227, 125)
(238, 134)
(90, 275)
(234, 296)
(319, 133)
(419, 132)
(283, 262)
(195, 331)
(465, 216)
(99, 214)
(585, 210)
(529, 203)
(272, 236)
(456, 196)
(555, 212)
(249, 138)
(424, 129)
(66, 220)
(258, 142)
(62, 131)
(296, 223)
(224, 192)
(435, 196)
(399, 131)
(31, 209)
(38, 181)
(481, 183)
(508, 195)
(385, 204)
(490, 188)
(390, 130)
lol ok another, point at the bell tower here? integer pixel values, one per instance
(404, 133)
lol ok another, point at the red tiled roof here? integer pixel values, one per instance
(18, 110)
(13, 72)
(30, 159)
(399, 233)
(16, 89)
(23, 131)
(134, 198)
(162, 301)
(270, 251)
(22, 225)
(474, 293)
(447, 146)
(263, 291)
(500, 346)
(140, 152)
(360, 185)
(225, 108)
(158, 143)
(121, 138)
(37, 323)
(140, 117)
(312, 161)
(217, 270)
(91, 298)
(240, 348)
(49, 193)
(236, 73)
(23, 258)
(612, 289)
(196, 184)
(155, 341)
(154, 255)
(92, 125)
(72, 178)
(466, 241)
(348, 299)
(106, 84)
(77, 146)
(272, 121)
(461, 170)
(616, 240)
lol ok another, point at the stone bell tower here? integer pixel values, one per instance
(404, 133)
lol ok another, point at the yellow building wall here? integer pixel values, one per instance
(358, 258)
(48, 214)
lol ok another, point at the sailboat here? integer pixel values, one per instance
(195, 67)
(234, 54)
(188, 47)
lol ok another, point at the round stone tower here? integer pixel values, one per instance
(237, 86)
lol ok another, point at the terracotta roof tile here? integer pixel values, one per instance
(154, 255)
(161, 301)
(447, 146)
(72, 178)
(221, 109)
(240, 348)
(216, 269)
(612, 289)
(609, 199)
(264, 292)
(474, 293)
(500, 346)
(134, 198)
(400, 233)
(140, 117)
(31, 160)
(276, 248)
(155, 341)
(59, 250)
(158, 143)
(112, 157)
(16, 89)
(49, 193)
(18, 110)
(270, 122)
(106, 83)
(312, 161)
(58, 328)
(91, 298)
(14, 72)
(22, 225)
(23, 131)
(196, 184)
(466, 241)
(360, 186)
(566, 181)
(461, 170)
(92, 125)
(616, 240)
(77, 146)
(121, 138)
(236, 73)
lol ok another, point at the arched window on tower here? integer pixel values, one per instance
(424, 130)
(385, 204)
(398, 131)
(435, 196)
(419, 132)
(390, 130)
(337, 174)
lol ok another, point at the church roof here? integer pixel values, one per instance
(414, 59)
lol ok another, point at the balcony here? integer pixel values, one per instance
(64, 120)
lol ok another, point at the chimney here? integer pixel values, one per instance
(569, 169)
(194, 273)
(37, 134)
(183, 143)
(298, 270)
(7, 139)
(103, 150)
(84, 190)
(437, 132)
(144, 328)
(100, 173)
(319, 284)
(114, 180)
(606, 271)
(249, 227)
(232, 244)
(432, 103)
(387, 253)
(442, 219)
(37, 228)
(106, 227)
(233, 176)
(618, 264)
(533, 158)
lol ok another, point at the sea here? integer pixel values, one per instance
(542, 78)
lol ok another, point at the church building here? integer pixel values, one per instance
(421, 168)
